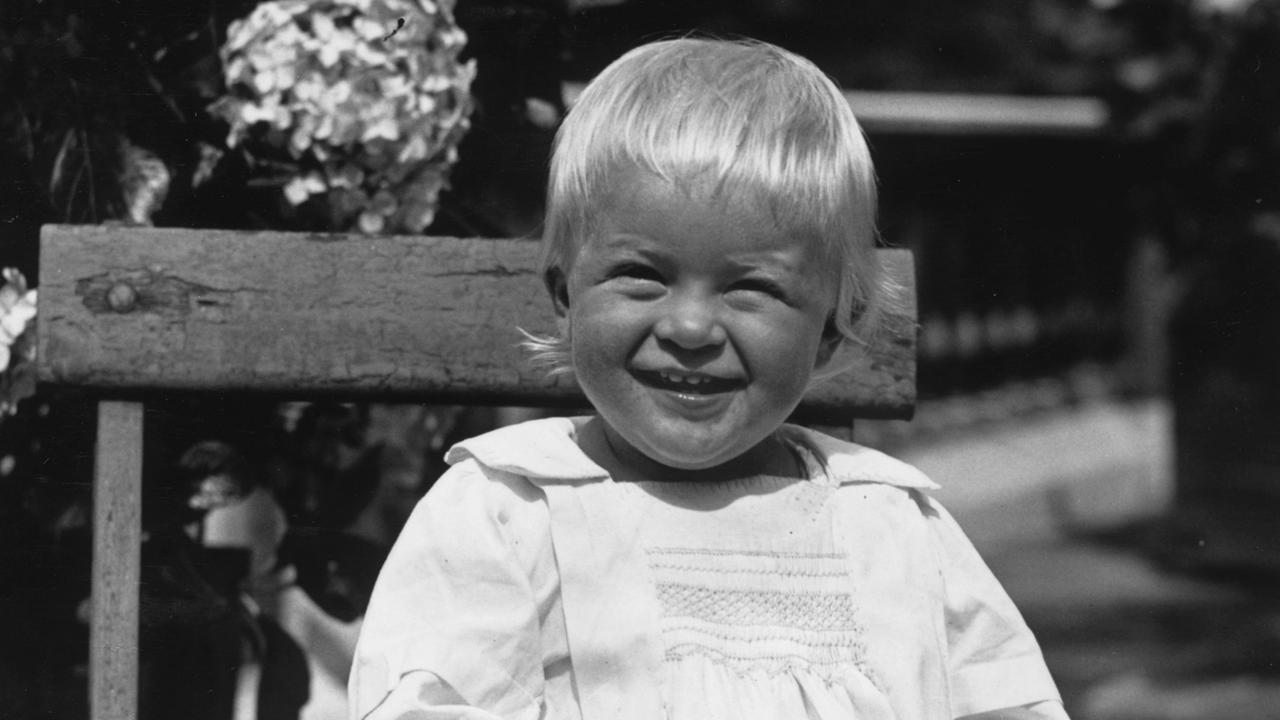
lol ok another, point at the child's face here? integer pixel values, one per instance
(694, 324)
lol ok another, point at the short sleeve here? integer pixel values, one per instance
(454, 610)
(993, 659)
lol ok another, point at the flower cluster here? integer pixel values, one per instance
(358, 103)
(17, 345)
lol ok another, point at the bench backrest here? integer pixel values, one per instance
(125, 311)
(136, 309)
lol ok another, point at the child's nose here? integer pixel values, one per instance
(690, 323)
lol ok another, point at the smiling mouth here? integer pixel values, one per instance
(687, 384)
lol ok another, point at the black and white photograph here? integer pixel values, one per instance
(639, 360)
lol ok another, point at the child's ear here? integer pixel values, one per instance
(558, 286)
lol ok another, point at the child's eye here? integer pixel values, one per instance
(761, 285)
(635, 271)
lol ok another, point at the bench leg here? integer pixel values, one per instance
(117, 541)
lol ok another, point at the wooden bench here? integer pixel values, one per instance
(127, 312)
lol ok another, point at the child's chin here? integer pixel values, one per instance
(681, 463)
(698, 460)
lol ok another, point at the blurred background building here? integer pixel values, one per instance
(1090, 189)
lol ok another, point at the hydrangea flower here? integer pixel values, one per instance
(362, 103)
(17, 345)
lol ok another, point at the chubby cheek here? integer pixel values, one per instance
(779, 395)
(784, 358)
(599, 349)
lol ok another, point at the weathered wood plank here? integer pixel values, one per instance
(142, 309)
(117, 538)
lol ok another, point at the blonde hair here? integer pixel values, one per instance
(763, 123)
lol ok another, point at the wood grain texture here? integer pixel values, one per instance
(117, 538)
(415, 317)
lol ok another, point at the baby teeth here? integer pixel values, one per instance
(689, 379)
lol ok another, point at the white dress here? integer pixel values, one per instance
(528, 584)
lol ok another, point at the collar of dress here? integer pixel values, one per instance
(545, 451)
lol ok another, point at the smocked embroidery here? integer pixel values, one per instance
(759, 614)
(711, 552)
(750, 571)
(802, 611)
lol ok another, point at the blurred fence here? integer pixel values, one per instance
(1020, 227)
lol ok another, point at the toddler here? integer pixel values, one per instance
(685, 553)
